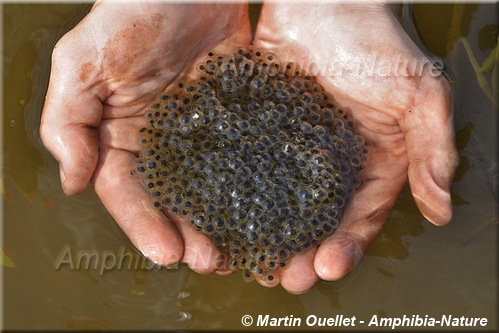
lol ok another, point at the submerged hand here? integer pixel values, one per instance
(366, 60)
(105, 74)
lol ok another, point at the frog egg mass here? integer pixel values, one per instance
(256, 154)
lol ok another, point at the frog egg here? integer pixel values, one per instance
(229, 85)
(228, 66)
(273, 69)
(229, 75)
(269, 57)
(247, 275)
(329, 226)
(211, 55)
(317, 234)
(306, 127)
(218, 239)
(211, 67)
(338, 202)
(208, 229)
(267, 91)
(320, 132)
(301, 238)
(219, 223)
(256, 131)
(209, 208)
(357, 162)
(245, 68)
(254, 107)
(314, 107)
(307, 98)
(271, 252)
(243, 51)
(314, 118)
(291, 69)
(258, 271)
(201, 87)
(231, 224)
(172, 116)
(233, 263)
(257, 83)
(276, 239)
(340, 189)
(283, 253)
(190, 87)
(236, 250)
(297, 82)
(279, 85)
(290, 232)
(211, 157)
(283, 95)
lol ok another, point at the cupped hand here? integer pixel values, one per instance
(105, 74)
(400, 104)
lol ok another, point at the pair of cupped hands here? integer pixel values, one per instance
(109, 69)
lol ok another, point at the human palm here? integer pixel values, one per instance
(106, 73)
(363, 58)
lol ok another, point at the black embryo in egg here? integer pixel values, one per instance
(256, 154)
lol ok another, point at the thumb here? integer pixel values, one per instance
(71, 114)
(431, 149)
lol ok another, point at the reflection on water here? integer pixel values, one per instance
(412, 268)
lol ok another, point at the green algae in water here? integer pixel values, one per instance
(258, 156)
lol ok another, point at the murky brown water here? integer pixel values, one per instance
(413, 268)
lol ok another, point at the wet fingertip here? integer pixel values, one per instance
(68, 191)
(299, 292)
(74, 180)
(301, 288)
(433, 200)
(161, 257)
(338, 260)
(162, 249)
(69, 187)
(224, 271)
(439, 215)
(201, 270)
(299, 275)
(204, 262)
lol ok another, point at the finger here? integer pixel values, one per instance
(200, 254)
(71, 114)
(123, 133)
(130, 205)
(75, 148)
(298, 276)
(363, 220)
(431, 149)
(224, 271)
